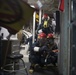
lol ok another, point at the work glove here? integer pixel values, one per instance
(40, 31)
(36, 49)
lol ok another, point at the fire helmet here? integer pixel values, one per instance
(45, 16)
(42, 35)
(50, 35)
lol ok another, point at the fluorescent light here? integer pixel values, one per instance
(39, 4)
(32, 6)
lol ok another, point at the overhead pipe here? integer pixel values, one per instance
(40, 13)
(34, 15)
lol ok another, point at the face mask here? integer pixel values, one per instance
(50, 41)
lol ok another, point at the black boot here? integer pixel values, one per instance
(31, 70)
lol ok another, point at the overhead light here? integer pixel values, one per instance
(39, 4)
(32, 6)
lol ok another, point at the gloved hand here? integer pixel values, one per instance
(40, 31)
(36, 49)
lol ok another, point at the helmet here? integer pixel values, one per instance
(42, 35)
(50, 38)
(50, 35)
(41, 38)
(45, 16)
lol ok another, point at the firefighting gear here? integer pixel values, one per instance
(36, 49)
(41, 39)
(45, 19)
(50, 35)
(50, 41)
(45, 27)
(40, 31)
(45, 24)
(50, 38)
(42, 35)
(44, 55)
(37, 17)
(43, 50)
(45, 16)
(31, 70)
